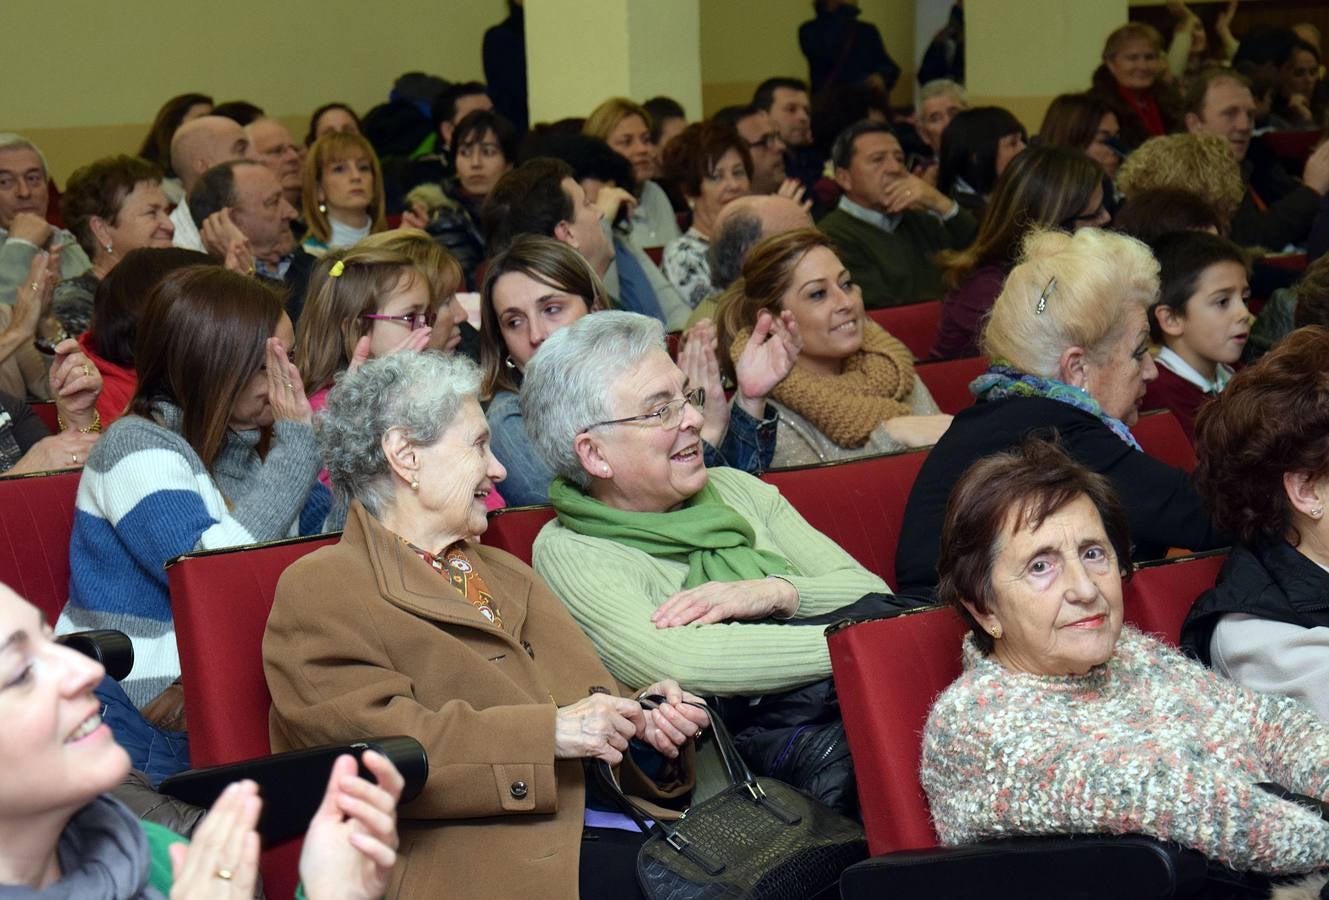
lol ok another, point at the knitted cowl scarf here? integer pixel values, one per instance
(874, 386)
(103, 856)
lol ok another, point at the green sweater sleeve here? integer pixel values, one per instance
(828, 577)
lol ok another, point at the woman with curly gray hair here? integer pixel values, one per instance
(408, 624)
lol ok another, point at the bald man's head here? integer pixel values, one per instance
(744, 222)
(202, 143)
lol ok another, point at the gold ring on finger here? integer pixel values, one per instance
(36, 286)
(87, 370)
(224, 874)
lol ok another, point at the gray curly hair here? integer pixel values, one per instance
(567, 384)
(417, 392)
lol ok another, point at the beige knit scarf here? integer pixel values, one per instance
(874, 386)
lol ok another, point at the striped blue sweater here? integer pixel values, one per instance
(145, 497)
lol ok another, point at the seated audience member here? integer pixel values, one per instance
(1087, 123)
(976, 148)
(1069, 342)
(1275, 209)
(454, 104)
(755, 127)
(24, 231)
(852, 391)
(1153, 213)
(1200, 321)
(112, 206)
(786, 101)
(842, 49)
(450, 331)
(1298, 72)
(668, 119)
(569, 198)
(1130, 81)
(1145, 741)
(1262, 468)
(28, 333)
(343, 193)
(363, 303)
(64, 834)
(1188, 50)
(156, 147)
(539, 286)
(1044, 187)
(841, 107)
(197, 146)
(329, 118)
(938, 102)
(741, 225)
(710, 163)
(484, 146)
(668, 564)
(184, 471)
(626, 127)
(889, 224)
(245, 223)
(116, 308)
(25, 443)
(1306, 303)
(1199, 163)
(274, 147)
(409, 625)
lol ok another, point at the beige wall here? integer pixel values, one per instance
(744, 42)
(98, 71)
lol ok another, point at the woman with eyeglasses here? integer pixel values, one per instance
(539, 286)
(216, 450)
(1044, 187)
(1069, 343)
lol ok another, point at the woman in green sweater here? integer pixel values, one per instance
(63, 836)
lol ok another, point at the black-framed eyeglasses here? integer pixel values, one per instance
(769, 141)
(668, 416)
(414, 320)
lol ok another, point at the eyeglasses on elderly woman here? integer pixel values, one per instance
(669, 416)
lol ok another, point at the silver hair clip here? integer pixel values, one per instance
(1043, 297)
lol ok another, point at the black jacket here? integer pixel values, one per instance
(1161, 503)
(842, 50)
(1290, 206)
(1273, 581)
(455, 228)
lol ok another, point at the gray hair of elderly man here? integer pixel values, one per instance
(420, 393)
(11, 141)
(569, 384)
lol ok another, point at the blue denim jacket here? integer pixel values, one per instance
(749, 444)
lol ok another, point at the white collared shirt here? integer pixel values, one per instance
(1172, 361)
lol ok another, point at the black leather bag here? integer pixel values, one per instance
(758, 839)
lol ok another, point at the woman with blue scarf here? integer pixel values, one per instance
(1069, 344)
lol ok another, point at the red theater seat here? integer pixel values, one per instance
(948, 381)
(48, 414)
(1160, 435)
(221, 600)
(914, 325)
(36, 519)
(1160, 594)
(514, 529)
(858, 504)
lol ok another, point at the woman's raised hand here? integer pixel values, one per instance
(793, 189)
(221, 860)
(416, 341)
(75, 383)
(351, 845)
(767, 358)
(597, 727)
(286, 392)
(701, 367)
(32, 299)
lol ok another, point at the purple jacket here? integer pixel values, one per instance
(963, 312)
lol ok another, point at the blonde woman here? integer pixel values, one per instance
(626, 127)
(343, 192)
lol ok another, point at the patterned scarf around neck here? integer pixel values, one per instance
(874, 386)
(705, 532)
(1001, 381)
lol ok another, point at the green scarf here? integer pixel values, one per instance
(706, 533)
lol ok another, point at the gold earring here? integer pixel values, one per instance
(996, 631)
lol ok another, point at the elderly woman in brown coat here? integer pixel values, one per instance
(408, 626)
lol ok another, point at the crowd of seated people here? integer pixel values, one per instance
(242, 336)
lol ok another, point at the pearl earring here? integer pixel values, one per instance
(109, 248)
(322, 207)
(1317, 512)
(604, 469)
(415, 484)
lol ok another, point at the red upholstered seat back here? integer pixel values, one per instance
(514, 529)
(914, 325)
(948, 381)
(49, 415)
(1160, 594)
(1160, 435)
(858, 504)
(221, 600)
(36, 519)
(887, 673)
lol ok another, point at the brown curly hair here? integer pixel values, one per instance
(1272, 418)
